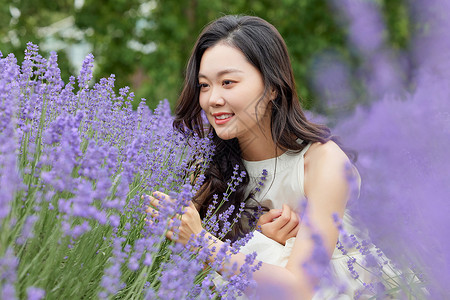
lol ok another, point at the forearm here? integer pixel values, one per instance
(293, 282)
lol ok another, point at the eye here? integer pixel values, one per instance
(202, 86)
(227, 82)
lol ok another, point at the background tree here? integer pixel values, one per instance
(306, 26)
(23, 21)
(146, 44)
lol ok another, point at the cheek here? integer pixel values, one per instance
(203, 103)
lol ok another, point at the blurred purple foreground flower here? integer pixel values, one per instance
(402, 141)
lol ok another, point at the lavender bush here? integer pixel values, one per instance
(75, 162)
(402, 139)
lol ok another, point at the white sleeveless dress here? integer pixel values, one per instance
(284, 185)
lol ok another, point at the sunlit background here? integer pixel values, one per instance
(146, 43)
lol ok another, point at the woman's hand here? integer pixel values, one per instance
(280, 225)
(191, 223)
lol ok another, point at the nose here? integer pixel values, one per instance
(216, 98)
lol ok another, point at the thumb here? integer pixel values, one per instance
(269, 216)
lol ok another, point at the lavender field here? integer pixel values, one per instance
(76, 161)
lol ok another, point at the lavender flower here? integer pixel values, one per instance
(90, 157)
(86, 72)
(8, 267)
(35, 293)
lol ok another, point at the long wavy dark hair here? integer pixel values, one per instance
(266, 50)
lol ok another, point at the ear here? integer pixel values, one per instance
(273, 94)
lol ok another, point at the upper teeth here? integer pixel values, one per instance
(221, 117)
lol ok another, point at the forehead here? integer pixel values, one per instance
(223, 57)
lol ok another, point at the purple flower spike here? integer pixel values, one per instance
(34, 293)
(86, 72)
(8, 274)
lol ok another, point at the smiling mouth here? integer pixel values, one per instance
(224, 116)
(221, 119)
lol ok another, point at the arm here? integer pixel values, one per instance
(327, 191)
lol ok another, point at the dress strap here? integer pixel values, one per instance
(302, 153)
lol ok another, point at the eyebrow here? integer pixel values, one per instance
(223, 72)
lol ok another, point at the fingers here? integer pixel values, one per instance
(153, 212)
(269, 216)
(284, 227)
(154, 205)
(192, 205)
(161, 196)
(180, 223)
(155, 202)
(158, 197)
(285, 216)
(292, 221)
(294, 231)
(293, 226)
(182, 227)
(169, 234)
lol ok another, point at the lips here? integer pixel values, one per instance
(222, 118)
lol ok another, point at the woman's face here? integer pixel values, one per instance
(230, 90)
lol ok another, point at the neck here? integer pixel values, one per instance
(259, 148)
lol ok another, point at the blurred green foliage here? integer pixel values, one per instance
(146, 44)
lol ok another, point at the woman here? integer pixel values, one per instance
(240, 76)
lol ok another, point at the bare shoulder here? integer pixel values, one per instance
(327, 153)
(325, 164)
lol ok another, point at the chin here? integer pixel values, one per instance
(225, 136)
